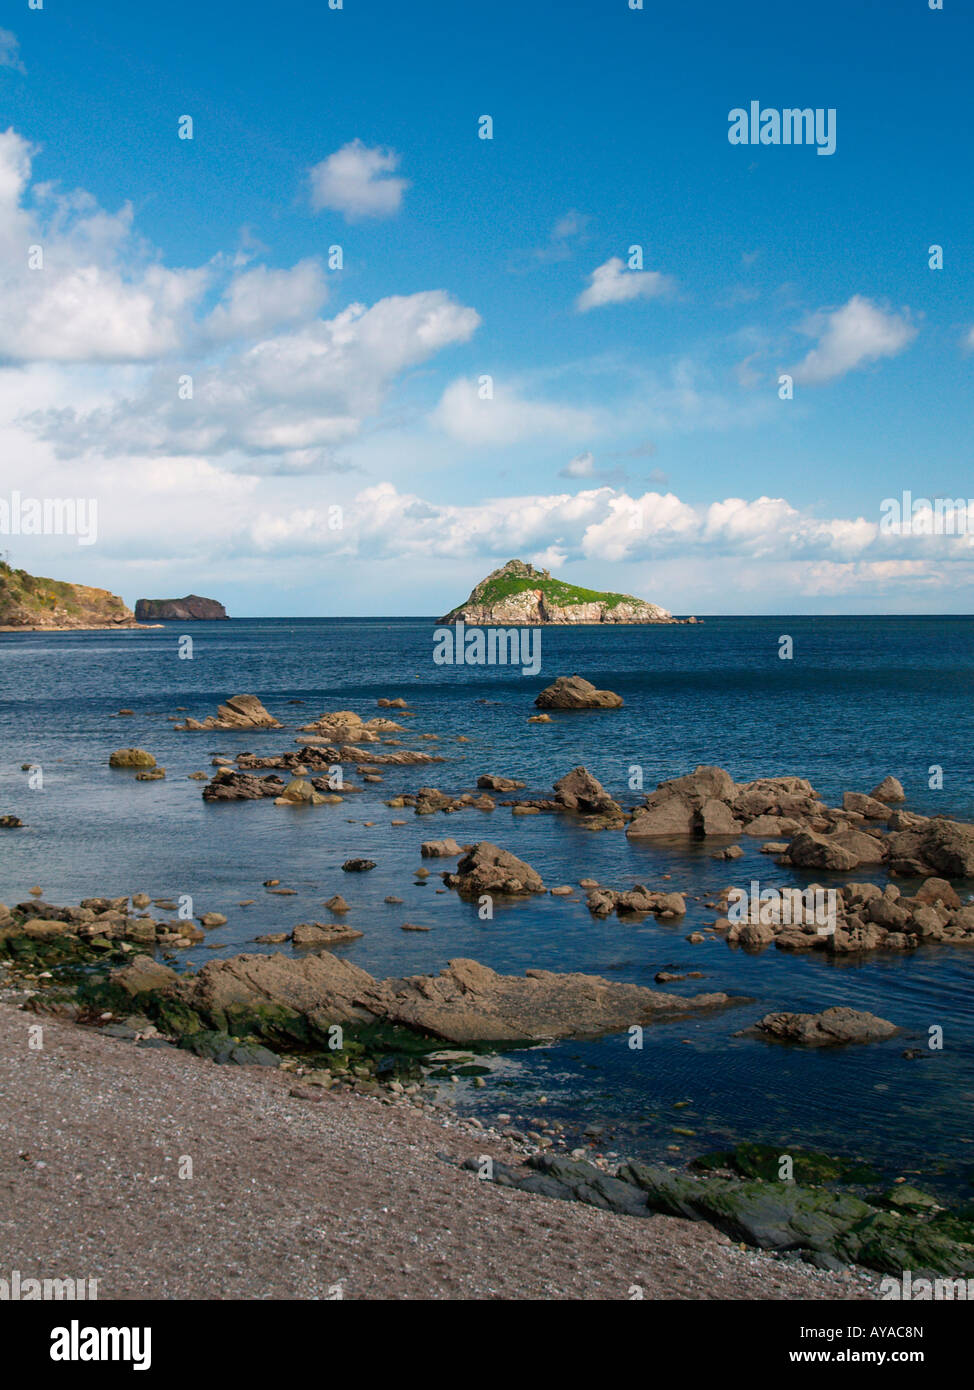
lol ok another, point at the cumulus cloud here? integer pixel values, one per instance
(858, 333)
(75, 284)
(605, 524)
(357, 182)
(278, 405)
(260, 300)
(613, 283)
(504, 417)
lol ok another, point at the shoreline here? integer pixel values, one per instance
(294, 1198)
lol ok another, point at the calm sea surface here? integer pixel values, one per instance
(862, 697)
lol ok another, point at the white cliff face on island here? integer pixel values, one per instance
(517, 594)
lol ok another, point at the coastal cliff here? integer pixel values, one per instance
(29, 601)
(517, 594)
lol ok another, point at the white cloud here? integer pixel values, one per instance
(356, 181)
(612, 283)
(850, 337)
(97, 296)
(505, 417)
(260, 300)
(10, 51)
(581, 466)
(281, 404)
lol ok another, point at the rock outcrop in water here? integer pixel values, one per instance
(192, 608)
(29, 602)
(574, 692)
(518, 595)
(280, 998)
(239, 712)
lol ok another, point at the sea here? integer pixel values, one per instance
(859, 698)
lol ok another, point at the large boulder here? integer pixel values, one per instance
(489, 869)
(697, 804)
(579, 791)
(827, 1029)
(574, 692)
(890, 790)
(672, 815)
(131, 757)
(867, 806)
(809, 850)
(948, 847)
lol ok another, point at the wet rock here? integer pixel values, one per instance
(225, 1050)
(831, 1027)
(358, 866)
(338, 904)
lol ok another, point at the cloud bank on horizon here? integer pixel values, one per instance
(470, 350)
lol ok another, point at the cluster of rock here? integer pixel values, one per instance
(428, 800)
(891, 1231)
(635, 902)
(574, 692)
(867, 918)
(297, 999)
(345, 726)
(94, 926)
(239, 712)
(708, 802)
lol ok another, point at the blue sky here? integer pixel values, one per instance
(635, 439)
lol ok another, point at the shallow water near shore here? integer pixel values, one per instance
(862, 697)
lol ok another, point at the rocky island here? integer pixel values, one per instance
(517, 594)
(29, 602)
(187, 609)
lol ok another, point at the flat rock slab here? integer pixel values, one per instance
(466, 1003)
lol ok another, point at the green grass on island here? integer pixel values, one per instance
(556, 591)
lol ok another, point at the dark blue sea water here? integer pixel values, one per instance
(861, 698)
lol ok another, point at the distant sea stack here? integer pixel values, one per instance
(186, 609)
(28, 601)
(518, 595)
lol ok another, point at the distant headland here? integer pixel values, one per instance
(186, 609)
